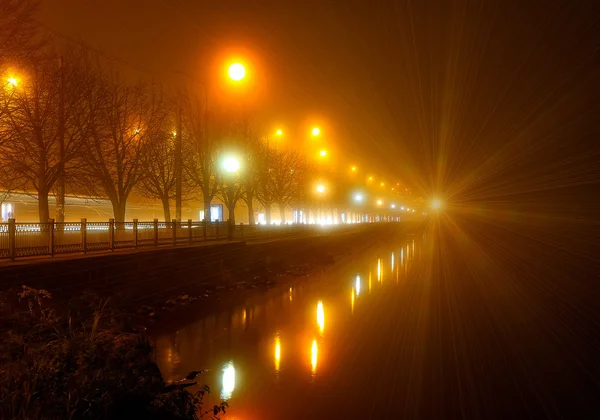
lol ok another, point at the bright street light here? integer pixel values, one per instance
(323, 153)
(370, 178)
(358, 198)
(231, 164)
(12, 81)
(393, 206)
(236, 72)
(382, 184)
(279, 132)
(353, 169)
(436, 204)
(320, 189)
(379, 202)
(316, 131)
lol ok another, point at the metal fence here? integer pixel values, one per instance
(51, 238)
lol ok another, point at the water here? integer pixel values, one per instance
(292, 341)
(465, 321)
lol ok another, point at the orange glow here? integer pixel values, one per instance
(279, 132)
(12, 81)
(316, 131)
(353, 169)
(323, 153)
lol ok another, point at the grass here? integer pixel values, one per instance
(56, 366)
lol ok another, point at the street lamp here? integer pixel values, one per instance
(231, 164)
(393, 206)
(323, 153)
(236, 72)
(379, 202)
(12, 81)
(353, 169)
(320, 188)
(316, 131)
(279, 132)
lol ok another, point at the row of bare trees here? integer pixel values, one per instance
(69, 125)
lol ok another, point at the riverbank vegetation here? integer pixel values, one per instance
(74, 365)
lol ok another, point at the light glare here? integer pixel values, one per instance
(236, 71)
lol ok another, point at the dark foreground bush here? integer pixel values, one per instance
(57, 366)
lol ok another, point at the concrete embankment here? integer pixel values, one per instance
(153, 276)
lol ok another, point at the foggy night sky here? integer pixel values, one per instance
(481, 101)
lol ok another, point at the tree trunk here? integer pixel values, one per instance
(231, 211)
(281, 213)
(43, 209)
(166, 209)
(250, 203)
(268, 212)
(207, 210)
(119, 211)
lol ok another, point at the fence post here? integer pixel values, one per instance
(111, 234)
(84, 235)
(12, 238)
(155, 232)
(135, 233)
(51, 237)
(190, 230)
(174, 224)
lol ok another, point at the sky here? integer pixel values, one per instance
(476, 101)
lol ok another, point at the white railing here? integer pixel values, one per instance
(51, 238)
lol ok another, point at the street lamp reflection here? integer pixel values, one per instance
(277, 353)
(313, 357)
(228, 381)
(357, 285)
(321, 316)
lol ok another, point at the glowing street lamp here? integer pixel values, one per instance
(382, 184)
(279, 133)
(236, 72)
(12, 81)
(353, 169)
(320, 188)
(393, 206)
(231, 164)
(323, 153)
(379, 202)
(358, 197)
(316, 131)
(370, 178)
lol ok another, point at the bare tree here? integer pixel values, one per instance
(159, 170)
(289, 170)
(35, 131)
(265, 188)
(230, 192)
(200, 164)
(19, 38)
(122, 119)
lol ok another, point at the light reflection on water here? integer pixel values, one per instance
(321, 316)
(228, 382)
(253, 337)
(277, 353)
(314, 352)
